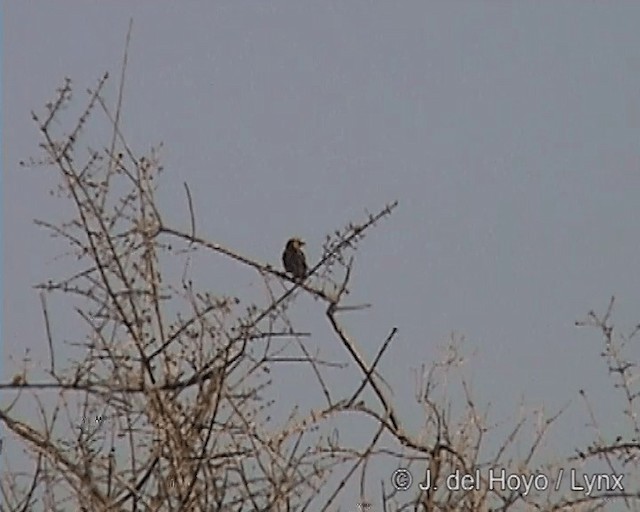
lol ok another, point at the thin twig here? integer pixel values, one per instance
(191, 214)
(123, 73)
(47, 326)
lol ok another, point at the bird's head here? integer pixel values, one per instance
(296, 243)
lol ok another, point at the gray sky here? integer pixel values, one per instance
(509, 133)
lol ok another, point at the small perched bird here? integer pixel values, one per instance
(293, 258)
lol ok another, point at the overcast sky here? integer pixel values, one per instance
(509, 132)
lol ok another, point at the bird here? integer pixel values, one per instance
(293, 258)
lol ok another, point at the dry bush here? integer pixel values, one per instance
(175, 383)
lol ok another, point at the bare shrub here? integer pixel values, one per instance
(174, 383)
